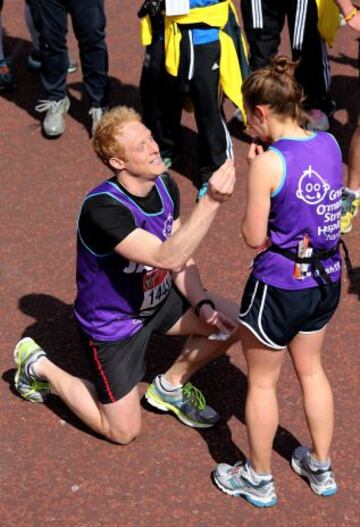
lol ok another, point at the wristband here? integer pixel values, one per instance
(203, 302)
(351, 15)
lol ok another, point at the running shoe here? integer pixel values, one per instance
(202, 191)
(96, 114)
(54, 122)
(236, 481)
(349, 209)
(187, 403)
(26, 353)
(322, 481)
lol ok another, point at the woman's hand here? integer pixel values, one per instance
(254, 151)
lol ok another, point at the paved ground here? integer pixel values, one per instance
(53, 470)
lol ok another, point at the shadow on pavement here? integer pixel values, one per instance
(223, 383)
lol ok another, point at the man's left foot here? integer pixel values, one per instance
(27, 352)
(187, 403)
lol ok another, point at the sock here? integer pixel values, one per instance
(315, 464)
(167, 386)
(256, 477)
(32, 369)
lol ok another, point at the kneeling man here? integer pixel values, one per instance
(135, 276)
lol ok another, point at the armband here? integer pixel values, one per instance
(203, 302)
(351, 15)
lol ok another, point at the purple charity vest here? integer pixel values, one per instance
(116, 295)
(307, 201)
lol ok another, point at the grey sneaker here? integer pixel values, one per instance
(96, 113)
(236, 481)
(322, 482)
(54, 122)
(26, 353)
(187, 403)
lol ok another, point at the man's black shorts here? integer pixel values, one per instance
(275, 316)
(118, 366)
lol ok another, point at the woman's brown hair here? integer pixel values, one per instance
(275, 85)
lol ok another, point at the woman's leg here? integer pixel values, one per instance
(305, 351)
(261, 409)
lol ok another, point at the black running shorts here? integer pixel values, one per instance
(118, 366)
(275, 316)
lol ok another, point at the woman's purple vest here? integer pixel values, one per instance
(115, 295)
(307, 202)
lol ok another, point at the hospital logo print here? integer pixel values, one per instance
(312, 187)
(168, 226)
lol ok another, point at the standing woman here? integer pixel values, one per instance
(293, 215)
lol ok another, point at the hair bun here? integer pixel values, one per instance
(282, 64)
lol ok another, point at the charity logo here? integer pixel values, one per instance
(312, 187)
(168, 226)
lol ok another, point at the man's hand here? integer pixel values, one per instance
(219, 321)
(222, 182)
(254, 151)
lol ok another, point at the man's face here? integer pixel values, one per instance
(142, 156)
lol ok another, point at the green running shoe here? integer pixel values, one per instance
(26, 353)
(187, 403)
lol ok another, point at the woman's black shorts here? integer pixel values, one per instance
(275, 316)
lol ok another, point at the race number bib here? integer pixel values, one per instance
(156, 286)
(177, 7)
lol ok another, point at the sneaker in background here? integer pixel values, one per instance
(26, 353)
(322, 480)
(201, 192)
(187, 403)
(318, 120)
(6, 77)
(237, 481)
(54, 122)
(96, 113)
(349, 209)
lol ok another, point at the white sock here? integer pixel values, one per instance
(167, 386)
(315, 464)
(256, 477)
(32, 369)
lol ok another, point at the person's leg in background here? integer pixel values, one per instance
(161, 102)
(50, 19)
(89, 21)
(313, 71)
(34, 58)
(263, 23)
(215, 144)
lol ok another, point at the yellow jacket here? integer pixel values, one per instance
(328, 20)
(214, 16)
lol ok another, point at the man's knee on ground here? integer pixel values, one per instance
(123, 436)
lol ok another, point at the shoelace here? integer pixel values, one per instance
(45, 105)
(194, 395)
